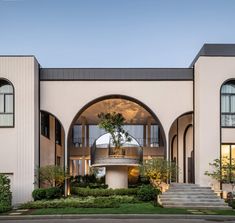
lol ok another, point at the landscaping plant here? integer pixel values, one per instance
(113, 123)
(52, 175)
(5, 194)
(224, 173)
(158, 171)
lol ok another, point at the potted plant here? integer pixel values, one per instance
(113, 123)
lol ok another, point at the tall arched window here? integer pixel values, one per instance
(228, 104)
(6, 104)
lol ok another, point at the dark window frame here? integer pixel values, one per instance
(223, 125)
(58, 135)
(45, 124)
(4, 104)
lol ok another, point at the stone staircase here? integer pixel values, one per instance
(191, 196)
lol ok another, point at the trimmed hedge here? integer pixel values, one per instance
(85, 192)
(47, 193)
(147, 193)
(5, 194)
(90, 202)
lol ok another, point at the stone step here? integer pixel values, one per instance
(189, 196)
(190, 191)
(166, 200)
(198, 203)
(200, 207)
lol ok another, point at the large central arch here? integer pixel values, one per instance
(119, 102)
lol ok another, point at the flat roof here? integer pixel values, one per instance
(119, 74)
(215, 50)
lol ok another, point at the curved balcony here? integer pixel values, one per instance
(103, 153)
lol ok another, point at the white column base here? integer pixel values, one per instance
(116, 176)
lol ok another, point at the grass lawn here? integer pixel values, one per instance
(137, 208)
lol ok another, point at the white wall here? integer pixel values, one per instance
(210, 73)
(19, 145)
(167, 99)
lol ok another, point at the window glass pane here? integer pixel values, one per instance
(45, 124)
(136, 131)
(6, 119)
(228, 120)
(232, 101)
(233, 154)
(5, 87)
(77, 135)
(228, 88)
(57, 132)
(8, 103)
(1, 103)
(225, 103)
(225, 154)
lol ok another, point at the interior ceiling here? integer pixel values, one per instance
(132, 112)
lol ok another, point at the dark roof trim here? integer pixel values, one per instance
(215, 50)
(115, 74)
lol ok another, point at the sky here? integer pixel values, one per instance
(114, 33)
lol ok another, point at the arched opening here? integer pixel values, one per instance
(181, 149)
(6, 103)
(140, 122)
(227, 128)
(188, 154)
(52, 141)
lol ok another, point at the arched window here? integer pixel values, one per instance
(228, 104)
(6, 104)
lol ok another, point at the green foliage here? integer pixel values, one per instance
(85, 192)
(52, 175)
(224, 173)
(5, 194)
(158, 171)
(53, 192)
(39, 194)
(90, 202)
(90, 181)
(113, 124)
(47, 193)
(147, 193)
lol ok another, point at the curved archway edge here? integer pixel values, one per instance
(118, 96)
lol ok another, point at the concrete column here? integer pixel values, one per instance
(66, 186)
(116, 176)
(83, 144)
(149, 131)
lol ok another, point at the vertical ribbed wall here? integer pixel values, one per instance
(21, 142)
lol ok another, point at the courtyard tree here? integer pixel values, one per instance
(158, 171)
(222, 170)
(52, 175)
(113, 123)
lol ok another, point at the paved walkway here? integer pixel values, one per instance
(121, 218)
(114, 221)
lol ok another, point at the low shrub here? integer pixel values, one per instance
(39, 194)
(53, 193)
(5, 194)
(47, 193)
(85, 192)
(89, 202)
(147, 193)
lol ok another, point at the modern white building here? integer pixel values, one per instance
(48, 116)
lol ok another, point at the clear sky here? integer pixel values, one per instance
(114, 33)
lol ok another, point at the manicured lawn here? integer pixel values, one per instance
(138, 208)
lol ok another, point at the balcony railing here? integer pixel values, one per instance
(88, 142)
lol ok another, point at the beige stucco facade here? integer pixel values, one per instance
(210, 74)
(188, 111)
(19, 144)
